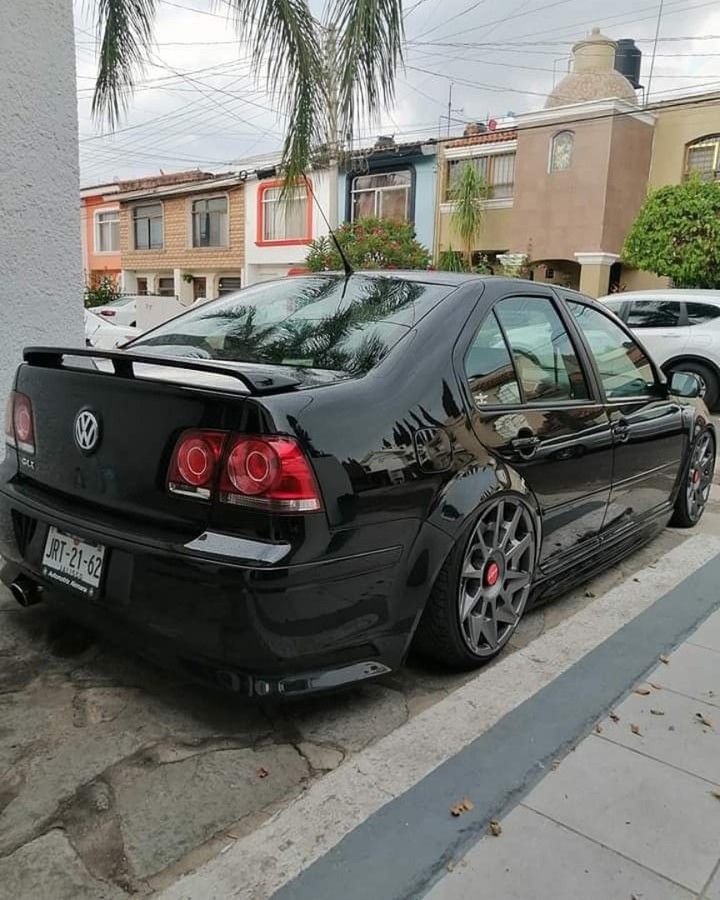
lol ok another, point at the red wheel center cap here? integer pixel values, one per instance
(696, 476)
(492, 573)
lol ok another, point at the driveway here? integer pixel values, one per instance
(117, 777)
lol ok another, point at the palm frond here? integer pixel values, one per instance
(124, 30)
(370, 39)
(284, 43)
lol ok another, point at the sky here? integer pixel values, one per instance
(197, 103)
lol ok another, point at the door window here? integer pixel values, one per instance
(653, 314)
(699, 313)
(624, 369)
(545, 360)
(489, 368)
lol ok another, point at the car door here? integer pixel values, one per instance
(534, 407)
(660, 324)
(703, 320)
(647, 423)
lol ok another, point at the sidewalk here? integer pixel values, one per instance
(632, 812)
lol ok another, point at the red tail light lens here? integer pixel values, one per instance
(195, 461)
(19, 428)
(107, 312)
(269, 473)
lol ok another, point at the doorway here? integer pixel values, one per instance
(199, 288)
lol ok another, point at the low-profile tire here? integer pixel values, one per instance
(708, 377)
(482, 589)
(695, 488)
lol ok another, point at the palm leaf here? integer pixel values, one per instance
(124, 29)
(370, 38)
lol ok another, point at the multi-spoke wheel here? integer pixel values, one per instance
(482, 590)
(693, 496)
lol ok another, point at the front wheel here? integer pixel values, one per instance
(482, 589)
(695, 490)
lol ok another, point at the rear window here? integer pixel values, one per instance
(318, 322)
(699, 313)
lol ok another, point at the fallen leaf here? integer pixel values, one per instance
(643, 691)
(598, 729)
(656, 712)
(495, 828)
(635, 730)
(555, 765)
(450, 866)
(615, 717)
(703, 720)
(262, 773)
(463, 806)
(665, 659)
(658, 687)
(716, 794)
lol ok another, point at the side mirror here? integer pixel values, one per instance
(686, 384)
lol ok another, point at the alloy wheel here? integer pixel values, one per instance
(700, 475)
(496, 575)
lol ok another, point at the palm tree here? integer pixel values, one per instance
(329, 75)
(468, 195)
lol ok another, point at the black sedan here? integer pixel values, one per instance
(286, 489)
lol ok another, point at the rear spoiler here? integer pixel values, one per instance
(123, 363)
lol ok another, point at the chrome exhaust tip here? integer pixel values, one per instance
(25, 591)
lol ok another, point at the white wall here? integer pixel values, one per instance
(263, 262)
(40, 246)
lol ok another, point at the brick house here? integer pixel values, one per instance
(182, 235)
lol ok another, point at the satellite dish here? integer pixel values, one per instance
(492, 124)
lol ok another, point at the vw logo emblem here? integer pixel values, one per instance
(87, 430)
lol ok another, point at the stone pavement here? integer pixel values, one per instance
(632, 812)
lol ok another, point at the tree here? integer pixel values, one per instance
(101, 289)
(468, 195)
(327, 75)
(677, 234)
(370, 244)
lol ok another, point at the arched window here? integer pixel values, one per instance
(561, 151)
(702, 157)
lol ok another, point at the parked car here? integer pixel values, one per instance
(104, 335)
(680, 328)
(283, 490)
(121, 311)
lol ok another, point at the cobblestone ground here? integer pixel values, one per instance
(116, 777)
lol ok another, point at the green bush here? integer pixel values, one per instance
(370, 244)
(101, 289)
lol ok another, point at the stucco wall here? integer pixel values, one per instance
(675, 128)
(94, 260)
(40, 250)
(496, 233)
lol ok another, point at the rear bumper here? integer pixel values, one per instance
(226, 610)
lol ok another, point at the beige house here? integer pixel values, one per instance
(567, 181)
(182, 235)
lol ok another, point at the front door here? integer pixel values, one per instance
(199, 288)
(648, 430)
(536, 409)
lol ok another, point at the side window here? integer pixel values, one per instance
(544, 357)
(624, 369)
(699, 313)
(616, 306)
(653, 314)
(489, 368)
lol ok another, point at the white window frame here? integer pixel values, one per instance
(306, 236)
(476, 151)
(132, 225)
(226, 230)
(381, 190)
(96, 230)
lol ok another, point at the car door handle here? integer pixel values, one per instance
(621, 430)
(525, 445)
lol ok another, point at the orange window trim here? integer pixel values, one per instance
(259, 239)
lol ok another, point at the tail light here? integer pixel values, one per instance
(195, 462)
(107, 312)
(19, 428)
(269, 473)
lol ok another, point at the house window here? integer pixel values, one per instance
(703, 158)
(561, 151)
(166, 287)
(384, 195)
(148, 226)
(496, 170)
(283, 219)
(209, 222)
(107, 231)
(228, 285)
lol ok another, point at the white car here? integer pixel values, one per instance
(680, 328)
(120, 312)
(102, 334)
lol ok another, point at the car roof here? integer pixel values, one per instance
(433, 276)
(665, 294)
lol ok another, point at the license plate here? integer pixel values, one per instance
(72, 562)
